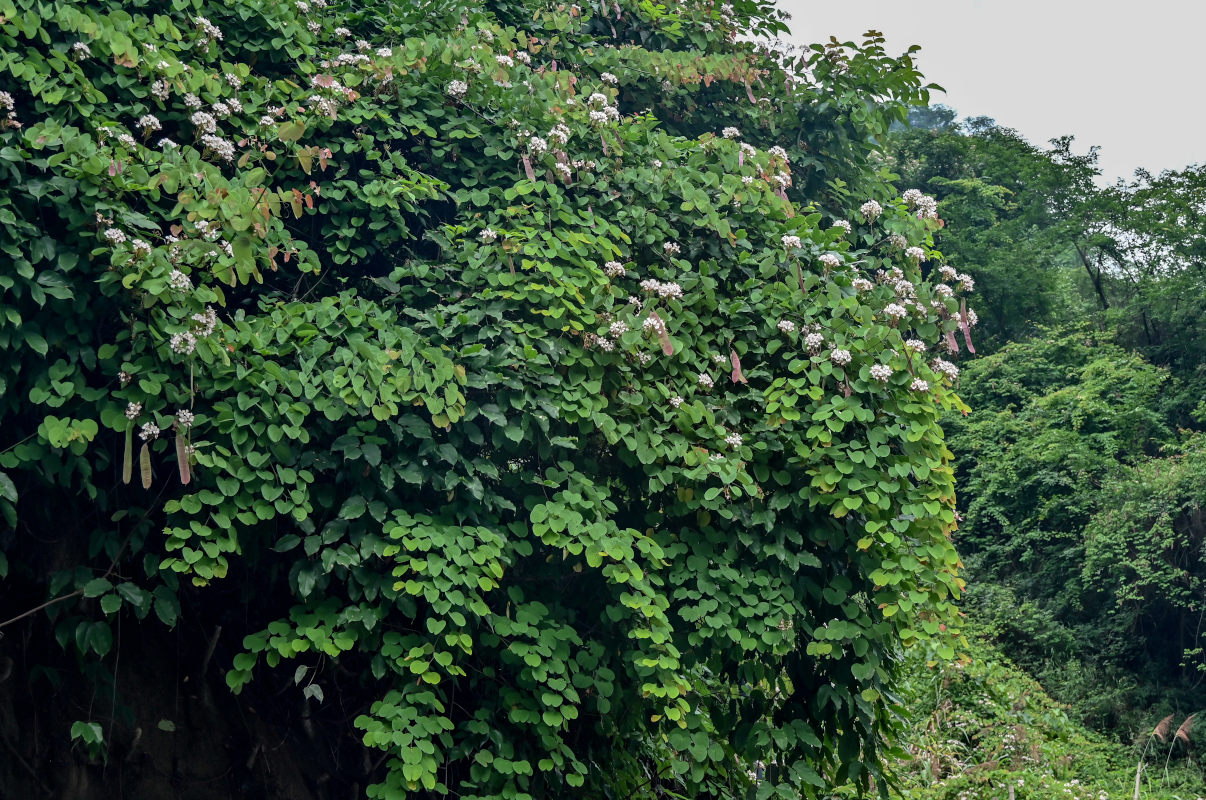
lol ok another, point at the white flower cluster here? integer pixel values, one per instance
(653, 323)
(705, 380)
(881, 372)
(925, 206)
(918, 385)
(730, 133)
(896, 311)
(830, 260)
(871, 210)
(676, 401)
(614, 269)
(456, 89)
(488, 235)
(843, 224)
(948, 272)
(149, 122)
(609, 79)
(80, 51)
(185, 418)
(791, 242)
(862, 285)
(666, 290)
(786, 325)
(179, 281)
(733, 440)
(915, 253)
(560, 134)
(618, 328)
(133, 410)
(916, 345)
(523, 57)
(945, 368)
(814, 342)
(601, 111)
(115, 235)
(220, 147)
(671, 248)
(898, 241)
(840, 357)
(537, 146)
(204, 121)
(504, 60)
(149, 431)
(211, 31)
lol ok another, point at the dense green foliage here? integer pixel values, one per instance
(448, 371)
(1080, 465)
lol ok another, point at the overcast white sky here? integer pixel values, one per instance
(1124, 76)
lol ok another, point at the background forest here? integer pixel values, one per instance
(519, 399)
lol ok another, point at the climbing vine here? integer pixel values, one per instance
(564, 379)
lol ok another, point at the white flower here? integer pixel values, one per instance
(653, 323)
(747, 180)
(384, 52)
(881, 372)
(670, 290)
(748, 149)
(791, 242)
(80, 50)
(133, 410)
(127, 140)
(606, 345)
(911, 196)
(210, 30)
(730, 133)
(204, 121)
(504, 61)
(115, 235)
(614, 269)
(182, 343)
(972, 319)
(676, 401)
(597, 117)
(488, 235)
(342, 33)
(927, 208)
(862, 285)
(522, 57)
(966, 282)
(871, 210)
(840, 357)
(671, 249)
(918, 385)
(124, 377)
(232, 80)
(149, 122)
(206, 322)
(733, 440)
(609, 79)
(916, 345)
(786, 325)
(778, 152)
(560, 133)
(220, 147)
(618, 328)
(167, 144)
(161, 89)
(948, 272)
(537, 146)
(946, 368)
(184, 418)
(843, 224)
(915, 253)
(814, 341)
(192, 101)
(149, 431)
(597, 98)
(830, 260)
(705, 380)
(179, 281)
(898, 241)
(140, 247)
(456, 89)
(895, 311)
